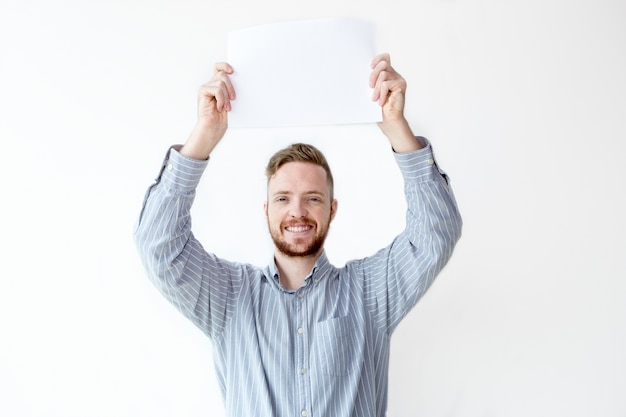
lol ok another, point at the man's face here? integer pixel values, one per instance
(299, 208)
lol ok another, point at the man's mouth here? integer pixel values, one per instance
(299, 228)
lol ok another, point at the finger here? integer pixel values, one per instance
(386, 84)
(379, 76)
(376, 69)
(221, 100)
(383, 68)
(224, 92)
(229, 88)
(383, 92)
(380, 57)
(222, 70)
(374, 74)
(206, 97)
(223, 67)
(215, 91)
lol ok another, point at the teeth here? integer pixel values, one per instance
(298, 229)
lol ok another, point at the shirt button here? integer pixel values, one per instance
(303, 371)
(301, 295)
(300, 330)
(431, 161)
(304, 413)
(170, 167)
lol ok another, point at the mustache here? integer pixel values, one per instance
(305, 221)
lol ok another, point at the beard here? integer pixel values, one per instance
(300, 247)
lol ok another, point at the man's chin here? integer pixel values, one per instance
(298, 248)
(299, 251)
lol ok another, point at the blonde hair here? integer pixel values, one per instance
(299, 152)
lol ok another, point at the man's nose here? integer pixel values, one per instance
(297, 209)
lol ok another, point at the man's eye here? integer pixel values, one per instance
(281, 199)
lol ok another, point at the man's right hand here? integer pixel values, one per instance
(214, 99)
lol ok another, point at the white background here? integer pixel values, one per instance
(524, 101)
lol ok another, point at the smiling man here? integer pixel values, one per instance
(299, 337)
(299, 208)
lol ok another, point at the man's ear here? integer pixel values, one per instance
(333, 209)
(265, 208)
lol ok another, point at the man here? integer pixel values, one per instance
(299, 337)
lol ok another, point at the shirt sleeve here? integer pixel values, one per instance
(199, 284)
(396, 277)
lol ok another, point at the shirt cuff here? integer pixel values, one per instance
(180, 172)
(417, 166)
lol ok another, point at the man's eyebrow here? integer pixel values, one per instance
(281, 192)
(285, 192)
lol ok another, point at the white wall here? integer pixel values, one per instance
(523, 101)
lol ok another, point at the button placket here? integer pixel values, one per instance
(302, 380)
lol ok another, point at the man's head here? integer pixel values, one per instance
(300, 201)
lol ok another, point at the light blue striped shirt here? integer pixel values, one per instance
(323, 349)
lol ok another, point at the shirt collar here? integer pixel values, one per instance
(319, 271)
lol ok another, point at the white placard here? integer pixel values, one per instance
(303, 73)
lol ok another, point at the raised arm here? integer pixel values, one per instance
(197, 282)
(397, 276)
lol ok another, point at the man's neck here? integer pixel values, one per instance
(294, 269)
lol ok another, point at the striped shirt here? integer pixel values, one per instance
(320, 350)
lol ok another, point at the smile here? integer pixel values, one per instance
(298, 229)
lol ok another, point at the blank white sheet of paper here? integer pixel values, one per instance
(303, 73)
